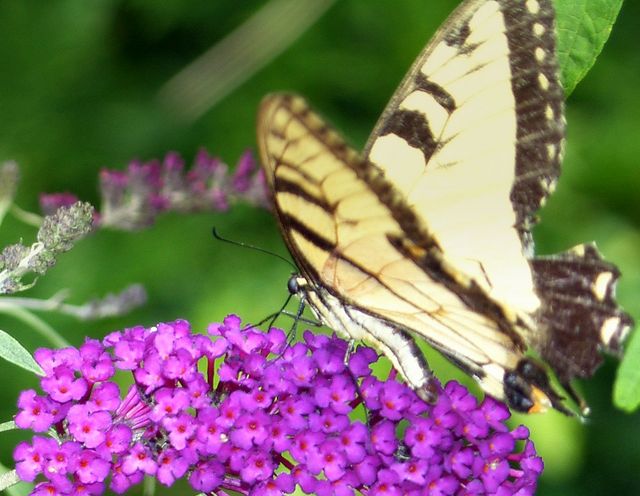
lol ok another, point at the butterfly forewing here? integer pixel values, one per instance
(473, 136)
(339, 226)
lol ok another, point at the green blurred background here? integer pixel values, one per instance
(79, 83)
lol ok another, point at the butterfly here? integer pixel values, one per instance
(427, 232)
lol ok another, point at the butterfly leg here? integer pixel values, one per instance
(351, 348)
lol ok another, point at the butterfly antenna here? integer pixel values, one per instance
(297, 317)
(274, 316)
(217, 235)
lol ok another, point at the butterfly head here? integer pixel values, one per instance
(295, 284)
(299, 286)
(527, 389)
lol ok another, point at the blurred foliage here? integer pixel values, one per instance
(78, 91)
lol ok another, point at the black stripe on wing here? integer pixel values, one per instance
(283, 185)
(413, 126)
(440, 95)
(539, 106)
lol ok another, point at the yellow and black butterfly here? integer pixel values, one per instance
(427, 232)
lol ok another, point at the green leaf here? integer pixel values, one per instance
(7, 426)
(583, 27)
(12, 351)
(626, 391)
(10, 483)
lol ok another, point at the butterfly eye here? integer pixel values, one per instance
(292, 285)
(296, 284)
(517, 392)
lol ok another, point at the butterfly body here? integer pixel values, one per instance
(427, 232)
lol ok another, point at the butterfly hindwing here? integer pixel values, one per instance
(580, 314)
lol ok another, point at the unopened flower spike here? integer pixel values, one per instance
(257, 417)
(57, 234)
(132, 199)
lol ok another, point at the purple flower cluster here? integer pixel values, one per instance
(132, 199)
(241, 410)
